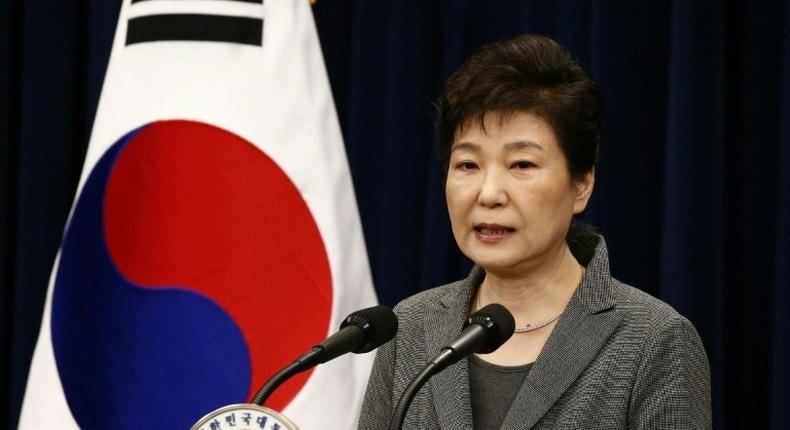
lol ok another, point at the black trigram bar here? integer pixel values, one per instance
(208, 28)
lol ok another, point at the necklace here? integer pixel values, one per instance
(526, 328)
(530, 327)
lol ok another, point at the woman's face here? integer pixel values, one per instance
(509, 192)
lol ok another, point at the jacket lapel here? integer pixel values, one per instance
(588, 321)
(581, 332)
(450, 388)
(567, 353)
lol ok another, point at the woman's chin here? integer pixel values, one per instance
(498, 263)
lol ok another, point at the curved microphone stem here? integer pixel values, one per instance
(362, 331)
(485, 331)
(441, 361)
(304, 362)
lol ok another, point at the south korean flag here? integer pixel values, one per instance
(214, 235)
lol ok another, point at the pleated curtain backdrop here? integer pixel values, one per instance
(693, 183)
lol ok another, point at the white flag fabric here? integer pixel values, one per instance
(215, 234)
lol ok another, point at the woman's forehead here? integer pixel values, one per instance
(510, 132)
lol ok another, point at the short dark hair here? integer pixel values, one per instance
(529, 73)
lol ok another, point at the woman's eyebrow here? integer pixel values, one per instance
(523, 144)
(469, 146)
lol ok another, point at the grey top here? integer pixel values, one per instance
(618, 358)
(492, 389)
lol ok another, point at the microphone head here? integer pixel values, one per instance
(498, 323)
(378, 325)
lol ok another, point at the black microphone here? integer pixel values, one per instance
(484, 332)
(362, 331)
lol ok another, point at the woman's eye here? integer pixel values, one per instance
(466, 165)
(522, 164)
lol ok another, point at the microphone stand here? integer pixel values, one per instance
(433, 367)
(304, 362)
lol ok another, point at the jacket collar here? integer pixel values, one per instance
(581, 331)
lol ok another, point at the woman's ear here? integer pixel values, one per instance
(584, 186)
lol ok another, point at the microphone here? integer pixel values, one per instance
(484, 332)
(360, 332)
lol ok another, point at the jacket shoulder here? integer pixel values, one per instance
(647, 309)
(671, 358)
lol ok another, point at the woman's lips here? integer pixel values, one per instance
(492, 233)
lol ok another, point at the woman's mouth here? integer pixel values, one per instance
(492, 233)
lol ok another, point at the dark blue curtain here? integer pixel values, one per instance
(693, 186)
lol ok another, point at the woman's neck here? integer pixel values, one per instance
(537, 294)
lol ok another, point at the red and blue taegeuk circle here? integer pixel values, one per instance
(191, 270)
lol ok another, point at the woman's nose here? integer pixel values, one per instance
(492, 191)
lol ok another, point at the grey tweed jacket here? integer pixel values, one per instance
(618, 358)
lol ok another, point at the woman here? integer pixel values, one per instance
(519, 128)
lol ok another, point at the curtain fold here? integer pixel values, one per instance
(693, 214)
(780, 371)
